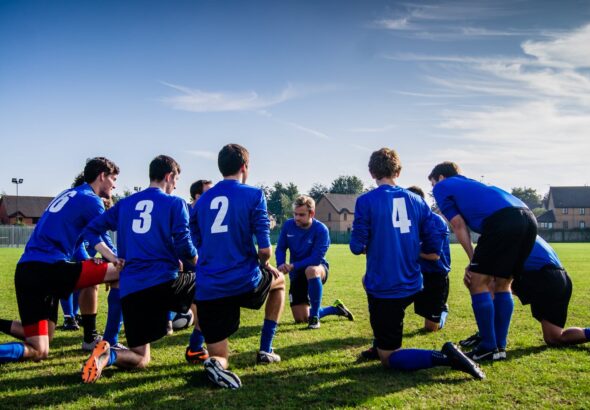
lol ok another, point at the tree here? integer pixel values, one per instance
(281, 199)
(347, 184)
(317, 190)
(529, 196)
(117, 197)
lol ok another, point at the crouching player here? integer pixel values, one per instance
(45, 274)
(389, 224)
(307, 240)
(152, 232)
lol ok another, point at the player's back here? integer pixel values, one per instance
(223, 226)
(439, 233)
(541, 255)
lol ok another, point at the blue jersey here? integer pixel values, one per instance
(389, 224)
(84, 251)
(152, 235)
(541, 255)
(307, 247)
(223, 225)
(57, 234)
(438, 242)
(474, 201)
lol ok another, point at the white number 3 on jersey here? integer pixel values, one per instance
(144, 223)
(400, 215)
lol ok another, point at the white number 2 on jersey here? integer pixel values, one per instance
(221, 203)
(400, 215)
(144, 223)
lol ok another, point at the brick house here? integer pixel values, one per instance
(568, 207)
(336, 211)
(30, 209)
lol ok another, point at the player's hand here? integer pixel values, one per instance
(467, 277)
(180, 266)
(98, 261)
(119, 264)
(275, 272)
(282, 268)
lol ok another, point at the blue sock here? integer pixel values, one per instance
(443, 319)
(314, 290)
(483, 309)
(587, 333)
(67, 305)
(114, 317)
(112, 357)
(171, 315)
(75, 302)
(196, 340)
(327, 311)
(411, 359)
(268, 334)
(503, 308)
(11, 352)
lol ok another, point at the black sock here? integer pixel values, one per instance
(5, 326)
(89, 325)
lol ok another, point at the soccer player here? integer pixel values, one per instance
(508, 230)
(44, 273)
(389, 224)
(431, 302)
(231, 274)
(198, 188)
(152, 234)
(307, 240)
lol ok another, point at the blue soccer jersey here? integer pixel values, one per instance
(389, 224)
(541, 255)
(223, 226)
(84, 251)
(437, 242)
(474, 201)
(152, 235)
(307, 247)
(57, 234)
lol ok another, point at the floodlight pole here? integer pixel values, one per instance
(17, 182)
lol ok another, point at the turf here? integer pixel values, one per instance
(319, 368)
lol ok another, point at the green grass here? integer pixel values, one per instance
(319, 368)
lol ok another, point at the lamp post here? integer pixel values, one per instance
(137, 188)
(17, 181)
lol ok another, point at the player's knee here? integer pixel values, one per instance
(300, 317)
(552, 340)
(143, 362)
(431, 326)
(313, 272)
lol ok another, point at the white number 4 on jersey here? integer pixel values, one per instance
(400, 215)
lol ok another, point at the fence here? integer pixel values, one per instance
(14, 236)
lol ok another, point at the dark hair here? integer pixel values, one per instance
(231, 158)
(95, 166)
(79, 180)
(162, 165)
(417, 190)
(197, 187)
(446, 169)
(384, 163)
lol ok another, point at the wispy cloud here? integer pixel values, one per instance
(307, 130)
(212, 156)
(372, 130)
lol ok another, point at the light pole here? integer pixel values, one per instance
(137, 188)
(17, 181)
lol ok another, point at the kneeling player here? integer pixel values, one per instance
(152, 232)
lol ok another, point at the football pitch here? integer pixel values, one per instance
(319, 368)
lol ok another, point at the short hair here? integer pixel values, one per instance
(96, 166)
(197, 187)
(162, 165)
(446, 169)
(231, 158)
(384, 163)
(304, 200)
(79, 180)
(417, 190)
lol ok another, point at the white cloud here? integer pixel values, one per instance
(372, 130)
(571, 48)
(307, 130)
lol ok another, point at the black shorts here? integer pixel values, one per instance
(298, 287)
(432, 300)
(40, 285)
(145, 312)
(220, 318)
(506, 240)
(548, 291)
(387, 320)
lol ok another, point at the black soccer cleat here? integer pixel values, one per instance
(459, 361)
(370, 354)
(479, 354)
(70, 324)
(343, 310)
(471, 341)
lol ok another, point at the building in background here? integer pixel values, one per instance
(27, 210)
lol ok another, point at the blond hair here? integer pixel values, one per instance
(304, 200)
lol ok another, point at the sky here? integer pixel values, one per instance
(311, 88)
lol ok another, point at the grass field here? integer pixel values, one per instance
(319, 368)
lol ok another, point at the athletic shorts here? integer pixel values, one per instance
(387, 320)
(298, 287)
(145, 312)
(220, 318)
(548, 291)
(432, 300)
(506, 240)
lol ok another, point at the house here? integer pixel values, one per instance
(25, 209)
(336, 211)
(568, 207)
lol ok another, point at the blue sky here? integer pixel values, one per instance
(311, 88)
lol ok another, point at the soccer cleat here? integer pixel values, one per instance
(267, 358)
(70, 324)
(96, 362)
(89, 346)
(459, 361)
(343, 309)
(313, 322)
(501, 353)
(195, 357)
(479, 354)
(119, 346)
(370, 353)
(471, 341)
(221, 377)
(78, 318)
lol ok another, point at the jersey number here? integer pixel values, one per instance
(59, 202)
(221, 203)
(400, 215)
(144, 223)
